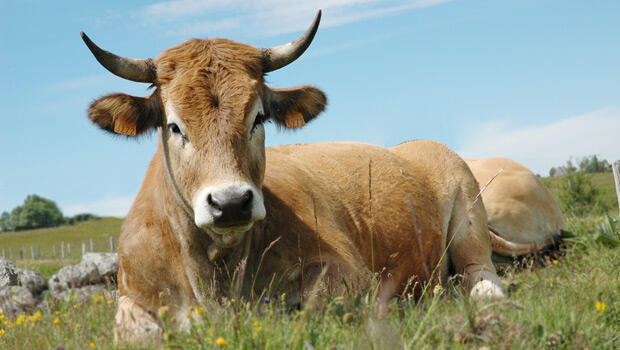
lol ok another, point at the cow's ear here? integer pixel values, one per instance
(294, 107)
(126, 115)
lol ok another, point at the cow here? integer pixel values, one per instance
(523, 216)
(215, 203)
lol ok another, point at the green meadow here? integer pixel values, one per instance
(570, 301)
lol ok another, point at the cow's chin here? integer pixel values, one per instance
(228, 237)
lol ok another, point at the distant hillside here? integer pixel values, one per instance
(604, 182)
(99, 230)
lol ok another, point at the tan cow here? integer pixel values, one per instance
(214, 203)
(523, 215)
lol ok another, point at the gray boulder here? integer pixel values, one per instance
(107, 263)
(33, 281)
(8, 276)
(95, 268)
(17, 298)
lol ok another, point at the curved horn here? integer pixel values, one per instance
(142, 71)
(279, 56)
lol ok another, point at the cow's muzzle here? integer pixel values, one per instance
(226, 212)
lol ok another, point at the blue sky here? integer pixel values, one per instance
(537, 81)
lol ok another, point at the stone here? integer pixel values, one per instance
(17, 298)
(95, 268)
(74, 276)
(107, 263)
(33, 281)
(8, 276)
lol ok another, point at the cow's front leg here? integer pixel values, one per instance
(134, 324)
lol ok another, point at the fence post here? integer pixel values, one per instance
(62, 249)
(616, 168)
(111, 243)
(32, 252)
(38, 252)
(91, 244)
(83, 248)
(68, 249)
(54, 251)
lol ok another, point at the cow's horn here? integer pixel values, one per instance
(128, 68)
(279, 56)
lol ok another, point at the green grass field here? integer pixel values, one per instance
(570, 303)
(604, 182)
(97, 230)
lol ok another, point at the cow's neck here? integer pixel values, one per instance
(192, 242)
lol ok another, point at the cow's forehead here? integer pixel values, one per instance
(204, 60)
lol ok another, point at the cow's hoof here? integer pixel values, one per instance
(486, 289)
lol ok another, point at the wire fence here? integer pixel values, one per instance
(62, 250)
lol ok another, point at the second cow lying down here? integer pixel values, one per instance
(523, 216)
(214, 200)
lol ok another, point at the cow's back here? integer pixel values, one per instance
(518, 205)
(346, 198)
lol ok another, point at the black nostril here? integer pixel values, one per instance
(230, 206)
(212, 203)
(247, 200)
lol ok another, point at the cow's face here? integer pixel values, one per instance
(211, 102)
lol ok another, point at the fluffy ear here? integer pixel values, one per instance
(126, 115)
(295, 107)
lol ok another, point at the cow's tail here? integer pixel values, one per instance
(506, 248)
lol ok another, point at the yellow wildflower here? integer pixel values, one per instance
(1, 316)
(110, 301)
(92, 345)
(199, 310)
(555, 262)
(221, 342)
(56, 321)
(1, 332)
(97, 298)
(600, 218)
(75, 306)
(10, 325)
(600, 306)
(20, 319)
(255, 322)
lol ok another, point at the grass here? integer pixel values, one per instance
(572, 302)
(550, 307)
(604, 182)
(97, 230)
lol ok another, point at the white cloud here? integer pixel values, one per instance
(544, 146)
(118, 207)
(268, 17)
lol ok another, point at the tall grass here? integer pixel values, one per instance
(572, 302)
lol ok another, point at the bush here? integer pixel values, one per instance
(578, 196)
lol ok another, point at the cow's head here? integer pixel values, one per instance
(211, 101)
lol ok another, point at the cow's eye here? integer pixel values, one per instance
(174, 128)
(260, 119)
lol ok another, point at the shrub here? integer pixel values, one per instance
(578, 196)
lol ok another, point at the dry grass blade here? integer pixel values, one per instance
(260, 262)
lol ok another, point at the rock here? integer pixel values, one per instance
(74, 276)
(17, 298)
(95, 268)
(8, 276)
(33, 281)
(107, 263)
(86, 292)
